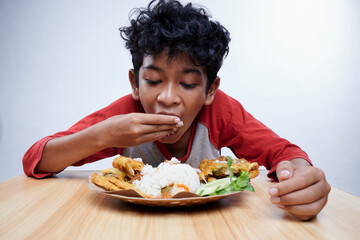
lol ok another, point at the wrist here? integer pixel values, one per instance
(96, 137)
(300, 162)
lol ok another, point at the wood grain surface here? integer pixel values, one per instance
(64, 207)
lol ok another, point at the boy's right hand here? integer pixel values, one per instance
(135, 128)
(118, 131)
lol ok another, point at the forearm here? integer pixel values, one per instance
(62, 152)
(120, 131)
(300, 162)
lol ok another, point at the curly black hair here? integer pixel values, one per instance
(168, 25)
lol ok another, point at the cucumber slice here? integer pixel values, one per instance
(213, 187)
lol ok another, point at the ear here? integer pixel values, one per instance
(134, 87)
(212, 91)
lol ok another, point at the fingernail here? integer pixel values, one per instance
(275, 199)
(273, 191)
(285, 173)
(179, 124)
(177, 120)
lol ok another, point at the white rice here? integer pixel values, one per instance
(138, 159)
(171, 172)
(218, 161)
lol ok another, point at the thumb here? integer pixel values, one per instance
(285, 170)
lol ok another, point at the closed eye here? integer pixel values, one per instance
(152, 82)
(188, 86)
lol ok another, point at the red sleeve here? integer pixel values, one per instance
(230, 125)
(34, 154)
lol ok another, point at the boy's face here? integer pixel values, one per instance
(175, 87)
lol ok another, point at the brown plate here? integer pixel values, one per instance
(180, 199)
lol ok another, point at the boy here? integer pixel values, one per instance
(177, 110)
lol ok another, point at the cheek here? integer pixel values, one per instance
(146, 102)
(194, 105)
(196, 101)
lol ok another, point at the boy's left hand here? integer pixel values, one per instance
(302, 189)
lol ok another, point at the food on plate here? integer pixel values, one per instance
(216, 176)
(104, 182)
(124, 172)
(110, 182)
(228, 184)
(112, 171)
(131, 167)
(212, 169)
(168, 179)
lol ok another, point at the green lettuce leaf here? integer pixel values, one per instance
(226, 185)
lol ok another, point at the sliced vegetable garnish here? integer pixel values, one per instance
(226, 185)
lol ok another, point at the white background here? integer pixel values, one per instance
(293, 64)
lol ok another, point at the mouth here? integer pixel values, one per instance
(175, 129)
(168, 113)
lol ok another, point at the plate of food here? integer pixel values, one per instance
(172, 183)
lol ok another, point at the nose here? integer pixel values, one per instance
(169, 95)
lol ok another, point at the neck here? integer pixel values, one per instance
(179, 149)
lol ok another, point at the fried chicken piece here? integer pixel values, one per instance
(217, 168)
(125, 170)
(210, 179)
(112, 183)
(120, 183)
(103, 182)
(113, 172)
(129, 166)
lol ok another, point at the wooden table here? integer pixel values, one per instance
(65, 208)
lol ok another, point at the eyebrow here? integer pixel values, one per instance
(186, 70)
(192, 70)
(153, 67)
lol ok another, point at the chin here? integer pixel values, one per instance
(171, 138)
(168, 141)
